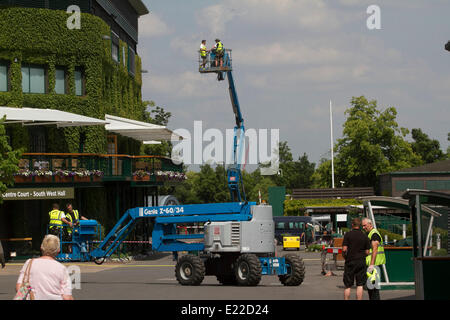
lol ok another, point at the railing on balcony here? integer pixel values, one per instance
(84, 167)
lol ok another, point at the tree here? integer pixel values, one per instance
(158, 116)
(294, 174)
(372, 144)
(9, 160)
(429, 150)
(322, 175)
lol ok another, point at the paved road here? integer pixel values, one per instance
(155, 280)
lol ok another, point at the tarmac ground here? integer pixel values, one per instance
(154, 279)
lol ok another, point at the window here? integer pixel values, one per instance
(131, 60)
(280, 225)
(115, 51)
(79, 82)
(3, 77)
(60, 81)
(33, 79)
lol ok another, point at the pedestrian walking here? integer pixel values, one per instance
(355, 248)
(48, 278)
(376, 256)
(309, 234)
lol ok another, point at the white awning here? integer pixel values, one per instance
(40, 117)
(146, 132)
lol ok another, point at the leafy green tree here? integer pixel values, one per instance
(254, 183)
(372, 143)
(184, 191)
(294, 174)
(9, 160)
(156, 115)
(321, 177)
(428, 149)
(448, 148)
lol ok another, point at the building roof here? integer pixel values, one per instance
(440, 166)
(138, 130)
(139, 6)
(35, 116)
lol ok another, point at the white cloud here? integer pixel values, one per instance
(184, 85)
(313, 15)
(151, 25)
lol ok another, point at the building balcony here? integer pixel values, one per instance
(83, 168)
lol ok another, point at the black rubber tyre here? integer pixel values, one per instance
(99, 261)
(190, 270)
(248, 270)
(296, 271)
(226, 279)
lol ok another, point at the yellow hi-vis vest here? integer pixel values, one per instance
(203, 50)
(55, 217)
(69, 218)
(219, 47)
(381, 257)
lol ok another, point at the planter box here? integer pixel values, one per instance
(81, 179)
(63, 179)
(144, 178)
(97, 178)
(23, 179)
(43, 179)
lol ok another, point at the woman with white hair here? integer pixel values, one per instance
(48, 278)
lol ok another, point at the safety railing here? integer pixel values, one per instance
(215, 63)
(83, 167)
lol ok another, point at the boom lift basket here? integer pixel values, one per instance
(210, 63)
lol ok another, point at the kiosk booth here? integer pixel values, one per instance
(399, 270)
(431, 273)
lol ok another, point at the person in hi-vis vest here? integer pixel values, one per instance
(56, 220)
(376, 255)
(219, 52)
(203, 53)
(72, 219)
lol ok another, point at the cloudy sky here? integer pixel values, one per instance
(291, 57)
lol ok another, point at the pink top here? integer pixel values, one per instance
(48, 278)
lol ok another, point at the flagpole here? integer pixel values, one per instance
(331, 140)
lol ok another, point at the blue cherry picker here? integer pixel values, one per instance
(237, 244)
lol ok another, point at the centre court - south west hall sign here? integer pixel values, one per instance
(38, 193)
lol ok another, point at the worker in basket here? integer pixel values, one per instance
(219, 52)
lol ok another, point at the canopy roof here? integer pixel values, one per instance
(138, 130)
(395, 202)
(39, 117)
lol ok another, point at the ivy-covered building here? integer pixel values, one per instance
(92, 71)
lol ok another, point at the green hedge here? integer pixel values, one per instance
(297, 207)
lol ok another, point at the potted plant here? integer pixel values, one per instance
(141, 175)
(23, 176)
(42, 176)
(63, 175)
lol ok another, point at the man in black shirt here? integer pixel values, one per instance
(355, 248)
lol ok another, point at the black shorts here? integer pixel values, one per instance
(355, 270)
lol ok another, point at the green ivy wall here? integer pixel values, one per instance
(41, 36)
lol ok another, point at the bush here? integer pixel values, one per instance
(314, 247)
(298, 207)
